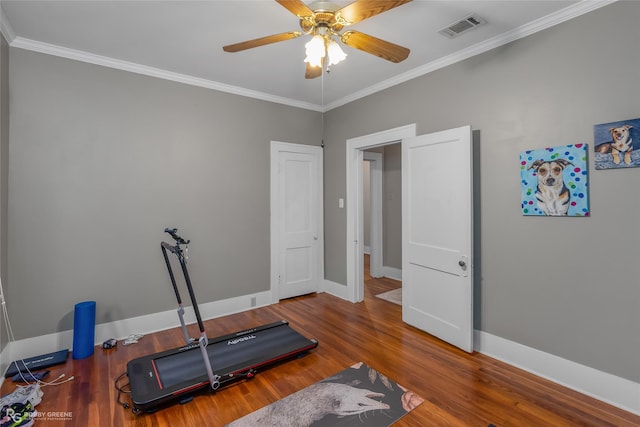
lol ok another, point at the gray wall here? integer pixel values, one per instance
(4, 168)
(103, 160)
(366, 202)
(392, 206)
(566, 286)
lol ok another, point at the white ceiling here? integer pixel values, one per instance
(182, 41)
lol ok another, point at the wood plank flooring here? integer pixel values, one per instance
(459, 389)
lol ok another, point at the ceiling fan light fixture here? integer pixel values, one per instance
(315, 50)
(323, 20)
(320, 47)
(336, 54)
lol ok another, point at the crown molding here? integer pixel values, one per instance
(63, 52)
(570, 12)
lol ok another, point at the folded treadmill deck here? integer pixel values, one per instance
(174, 375)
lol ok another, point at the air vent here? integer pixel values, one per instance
(462, 26)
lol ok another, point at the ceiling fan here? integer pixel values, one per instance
(323, 20)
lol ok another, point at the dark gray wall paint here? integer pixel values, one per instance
(103, 160)
(566, 286)
(366, 203)
(392, 206)
(4, 167)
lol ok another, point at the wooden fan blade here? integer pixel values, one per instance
(363, 9)
(237, 47)
(313, 72)
(375, 46)
(297, 7)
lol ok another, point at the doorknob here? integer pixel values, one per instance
(315, 237)
(462, 264)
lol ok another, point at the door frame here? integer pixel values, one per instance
(375, 233)
(354, 234)
(278, 147)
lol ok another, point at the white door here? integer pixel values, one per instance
(296, 209)
(437, 235)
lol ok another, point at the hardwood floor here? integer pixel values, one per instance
(459, 389)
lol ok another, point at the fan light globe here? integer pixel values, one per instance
(335, 53)
(317, 48)
(315, 51)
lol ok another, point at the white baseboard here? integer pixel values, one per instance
(608, 388)
(335, 289)
(392, 273)
(614, 390)
(121, 329)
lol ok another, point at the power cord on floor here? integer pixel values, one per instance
(25, 374)
(30, 378)
(125, 388)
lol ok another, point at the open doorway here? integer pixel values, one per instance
(356, 148)
(372, 210)
(382, 222)
(436, 246)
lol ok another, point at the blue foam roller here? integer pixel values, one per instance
(84, 329)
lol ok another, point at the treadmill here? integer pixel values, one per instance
(175, 375)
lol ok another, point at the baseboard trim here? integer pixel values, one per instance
(121, 329)
(392, 273)
(335, 289)
(614, 390)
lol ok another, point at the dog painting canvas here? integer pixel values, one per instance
(554, 181)
(617, 144)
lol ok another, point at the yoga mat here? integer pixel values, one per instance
(84, 329)
(355, 397)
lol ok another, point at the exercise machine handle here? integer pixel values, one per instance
(214, 380)
(179, 240)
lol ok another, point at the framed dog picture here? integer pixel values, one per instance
(554, 181)
(617, 144)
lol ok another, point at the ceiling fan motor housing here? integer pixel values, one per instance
(323, 18)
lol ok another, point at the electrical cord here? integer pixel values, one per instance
(33, 379)
(125, 388)
(25, 374)
(28, 377)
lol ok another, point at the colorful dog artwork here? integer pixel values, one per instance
(554, 181)
(617, 144)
